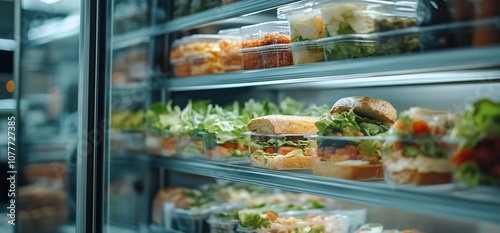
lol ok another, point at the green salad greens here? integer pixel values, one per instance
(348, 124)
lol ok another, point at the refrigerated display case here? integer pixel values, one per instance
(118, 184)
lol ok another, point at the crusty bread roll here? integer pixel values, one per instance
(283, 124)
(282, 163)
(348, 171)
(376, 109)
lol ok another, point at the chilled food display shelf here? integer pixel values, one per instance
(224, 12)
(348, 73)
(480, 204)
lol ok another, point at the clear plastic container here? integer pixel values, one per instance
(276, 55)
(357, 217)
(251, 59)
(268, 33)
(203, 145)
(265, 152)
(418, 160)
(181, 67)
(161, 143)
(191, 221)
(347, 157)
(342, 47)
(230, 45)
(307, 52)
(305, 22)
(152, 141)
(235, 151)
(325, 222)
(203, 52)
(341, 17)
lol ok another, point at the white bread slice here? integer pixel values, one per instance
(363, 106)
(349, 170)
(283, 124)
(282, 163)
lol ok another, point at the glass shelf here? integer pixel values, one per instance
(446, 66)
(224, 12)
(481, 204)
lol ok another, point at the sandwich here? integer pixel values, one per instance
(478, 156)
(347, 146)
(416, 150)
(278, 142)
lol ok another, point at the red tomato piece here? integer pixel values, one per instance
(420, 127)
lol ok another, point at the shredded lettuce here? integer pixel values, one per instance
(344, 123)
(290, 106)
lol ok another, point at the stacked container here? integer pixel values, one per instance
(306, 27)
(266, 45)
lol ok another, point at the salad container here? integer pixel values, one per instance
(152, 141)
(279, 151)
(225, 147)
(342, 17)
(307, 52)
(347, 157)
(191, 146)
(181, 67)
(342, 47)
(191, 221)
(325, 222)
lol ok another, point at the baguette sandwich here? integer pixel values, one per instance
(342, 150)
(278, 141)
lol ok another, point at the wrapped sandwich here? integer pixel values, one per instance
(278, 142)
(478, 157)
(416, 148)
(346, 146)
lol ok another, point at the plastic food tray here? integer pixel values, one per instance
(341, 157)
(335, 224)
(307, 52)
(203, 145)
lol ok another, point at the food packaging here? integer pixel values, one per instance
(405, 41)
(262, 34)
(202, 52)
(191, 146)
(305, 22)
(307, 52)
(235, 151)
(342, 17)
(357, 217)
(152, 141)
(230, 58)
(315, 221)
(191, 221)
(418, 160)
(181, 65)
(204, 145)
(341, 157)
(265, 151)
(276, 55)
(161, 143)
(251, 58)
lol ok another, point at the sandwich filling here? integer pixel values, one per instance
(349, 123)
(287, 146)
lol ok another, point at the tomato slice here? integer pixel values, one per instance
(230, 145)
(461, 156)
(271, 216)
(270, 150)
(420, 127)
(286, 149)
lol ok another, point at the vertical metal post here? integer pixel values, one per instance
(92, 105)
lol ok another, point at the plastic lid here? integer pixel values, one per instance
(308, 44)
(229, 31)
(304, 6)
(209, 38)
(282, 27)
